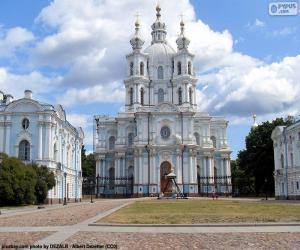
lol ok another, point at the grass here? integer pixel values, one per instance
(202, 211)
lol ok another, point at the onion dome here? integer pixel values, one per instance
(158, 28)
(182, 41)
(136, 41)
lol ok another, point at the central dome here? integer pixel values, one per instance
(160, 54)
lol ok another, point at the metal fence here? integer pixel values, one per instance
(217, 184)
(108, 187)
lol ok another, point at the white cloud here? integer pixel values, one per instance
(284, 31)
(112, 92)
(15, 84)
(257, 24)
(13, 39)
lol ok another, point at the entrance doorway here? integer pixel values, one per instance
(165, 169)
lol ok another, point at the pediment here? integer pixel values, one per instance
(24, 105)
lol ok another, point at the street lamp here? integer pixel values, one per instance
(65, 198)
(91, 189)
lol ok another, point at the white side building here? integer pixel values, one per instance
(39, 133)
(161, 128)
(286, 143)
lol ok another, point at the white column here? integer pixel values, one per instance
(228, 170)
(195, 169)
(136, 168)
(190, 167)
(205, 166)
(141, 168)
(152, 168)
(40, 152)
(178, 168)
(47, 142)
(7, 142)
(1, 138)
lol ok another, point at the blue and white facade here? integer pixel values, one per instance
(39, 133)
(161, 128)
(286, 143)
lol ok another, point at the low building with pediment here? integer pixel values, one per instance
(161, 128)
(37, 132)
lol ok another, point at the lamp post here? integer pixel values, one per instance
(91, 189)
(65, 198)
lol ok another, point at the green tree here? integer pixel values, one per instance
(257, 160)
(23, 184)
(45, 182)
(17, 182)
(88, 163)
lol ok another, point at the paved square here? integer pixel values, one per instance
(74, 225)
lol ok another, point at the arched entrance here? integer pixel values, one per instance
(165, 169)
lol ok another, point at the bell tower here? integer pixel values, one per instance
(137, 82)
(183, 74)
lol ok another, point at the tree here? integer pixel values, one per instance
(88, 163)
(45, 182)
(23, 184)
(257, 160)
(17, 182)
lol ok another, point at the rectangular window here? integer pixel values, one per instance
(297, 185)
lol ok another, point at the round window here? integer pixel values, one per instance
(25, 123)
(165, 132)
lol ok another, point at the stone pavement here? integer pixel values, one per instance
(88, 232)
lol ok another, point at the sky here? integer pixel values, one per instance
(72, 52)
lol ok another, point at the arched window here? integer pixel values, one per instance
(112, 140)
(142, 96)
(131, 96)
(191, 96)
(160, 72)
(25, 123)
(141, 68)
(179, 68)
(214, 141)
(130, 139)
(282, 161)
(160, 95)
(111, 174)
(197, 137)
(189, 68)
(24, 150)
(131, 68)
(179, 96)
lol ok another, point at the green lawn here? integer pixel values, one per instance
(202, 211)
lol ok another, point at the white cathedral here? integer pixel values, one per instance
(161, 130)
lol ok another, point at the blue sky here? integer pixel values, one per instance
(73, 52)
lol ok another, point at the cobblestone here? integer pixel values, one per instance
(18, 239)
(61, 216)
(228, 241)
